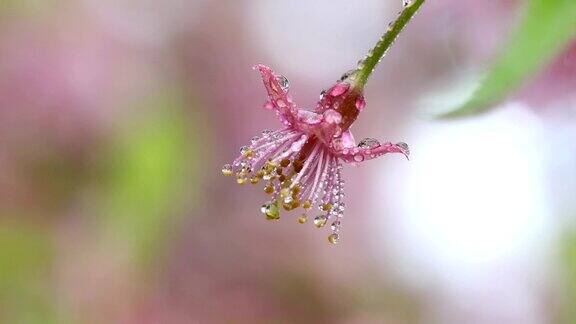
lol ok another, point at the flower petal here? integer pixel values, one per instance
(278, 97)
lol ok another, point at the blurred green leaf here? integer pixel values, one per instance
(28, 8)
(568, 243)
(26, 255)
(545, 30)
(150, 164)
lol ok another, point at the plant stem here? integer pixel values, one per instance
(366, 66)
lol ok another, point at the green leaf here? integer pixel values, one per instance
(545, 30)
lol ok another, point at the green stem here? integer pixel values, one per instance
(366, 66)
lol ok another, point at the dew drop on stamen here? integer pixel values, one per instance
(335, 226)
(334, 238)
(227, 170)
(320, 221)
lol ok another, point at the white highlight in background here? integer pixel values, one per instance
(470, 211)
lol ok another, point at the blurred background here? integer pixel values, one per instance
(117, 115)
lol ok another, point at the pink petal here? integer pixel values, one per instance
(279, 99)
(360, 154)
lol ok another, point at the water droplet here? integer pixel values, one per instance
(334, 238)
(360, 64)
(403, 146)
(266, 133)
(283, 82)
(271, 211)
(335, 226)
(358, 158)
(227, 170)
(360, 103)
(368, 143)
(320, 221)
(331, 116)
(407, 3)
(302, 219)
(309, 117)
(349, 74)
(254, 139)
(339, 89)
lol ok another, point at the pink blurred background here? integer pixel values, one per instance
(116, 117)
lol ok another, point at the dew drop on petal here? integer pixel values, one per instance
(368, 143)
(339, 89)
(403, 145)
(283, 82)
(309, 117)
(360, 103)
(358, 158)
(331, 116)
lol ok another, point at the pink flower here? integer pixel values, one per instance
(302, 161)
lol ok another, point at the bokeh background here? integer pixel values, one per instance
(117, 115)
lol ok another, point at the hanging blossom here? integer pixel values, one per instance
(301, 163)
